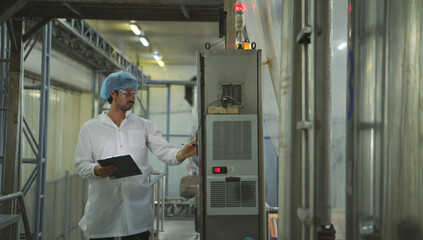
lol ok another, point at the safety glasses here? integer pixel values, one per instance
(127, 94)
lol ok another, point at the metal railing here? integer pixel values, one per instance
(19, 197)
(158, 201)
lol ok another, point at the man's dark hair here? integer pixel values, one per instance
(110, 100)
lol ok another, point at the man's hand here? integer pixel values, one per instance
(105, 171)
(188, 150)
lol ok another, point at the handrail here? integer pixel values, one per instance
(159, 181)
(11, 196)
(161, 175)
(19, 196)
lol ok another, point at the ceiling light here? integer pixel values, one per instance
(161, 63)
(156, 57)
(342, 45)
(135, 29)
(144, 41)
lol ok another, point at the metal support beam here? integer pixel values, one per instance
(167, 136)
(189, 83)
(74, 9)
(185, 11)
(36, 28)
(10, 12)
(14, 127)
(87, 35)
(229, 6)
(4, 68)
(42, 142)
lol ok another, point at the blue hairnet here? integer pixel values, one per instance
(117, 81)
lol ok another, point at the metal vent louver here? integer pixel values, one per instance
(232, 194)
(232, 140)
(233, 92)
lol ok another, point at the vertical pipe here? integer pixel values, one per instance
(147, 114)
(65, 233)
(158, 210)
(289, 226)
(321, 109)
(153, 196)
(311, 117)
(12, 159)
(43, 127)
(94, 93)
(53, 232)
(3, 82)
(162, 181)
(167, 135)
(304, 174)
(100, 101)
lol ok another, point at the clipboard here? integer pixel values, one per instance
(125, 165)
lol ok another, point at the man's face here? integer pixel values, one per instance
(125, 98)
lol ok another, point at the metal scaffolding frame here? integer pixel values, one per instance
(78, 39)
(14, 50)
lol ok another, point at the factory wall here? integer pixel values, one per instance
(69, 106)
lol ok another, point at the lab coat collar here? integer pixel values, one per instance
(104, 118)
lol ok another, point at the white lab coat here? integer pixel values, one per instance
(119, 207)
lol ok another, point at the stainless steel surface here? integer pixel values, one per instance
(289, 226)
(322, 38)
(384, 144)
(237, 67)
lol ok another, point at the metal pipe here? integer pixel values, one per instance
(290, 144)
(67, 208)
(311, 117)
(167, 136)
(94, 93)
(163, 201)
(166, 82)
(158, 211)
(53, 232)
(147, 114)
(304, 194)
(42, 142)
(10, 196)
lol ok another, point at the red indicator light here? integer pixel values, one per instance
(239, 7)
(350, 8)
(220, 170)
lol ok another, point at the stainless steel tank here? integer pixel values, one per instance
(385, 120)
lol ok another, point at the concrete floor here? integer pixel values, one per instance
(178, 230)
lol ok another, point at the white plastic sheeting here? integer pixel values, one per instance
(263, 22)
(67, 111)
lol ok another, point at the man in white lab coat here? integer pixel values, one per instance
(120, 207)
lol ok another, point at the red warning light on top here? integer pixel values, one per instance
(239, 7)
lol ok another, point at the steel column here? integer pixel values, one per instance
(42, 142)
(167, 135)
(4, 54)
(13, 125)
(289, 226)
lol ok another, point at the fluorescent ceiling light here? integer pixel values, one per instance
(156, 57)
(161, 63)
(144, 41)
(135, 29)
(342, 45)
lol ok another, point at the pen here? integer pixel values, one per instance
(193, 141)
